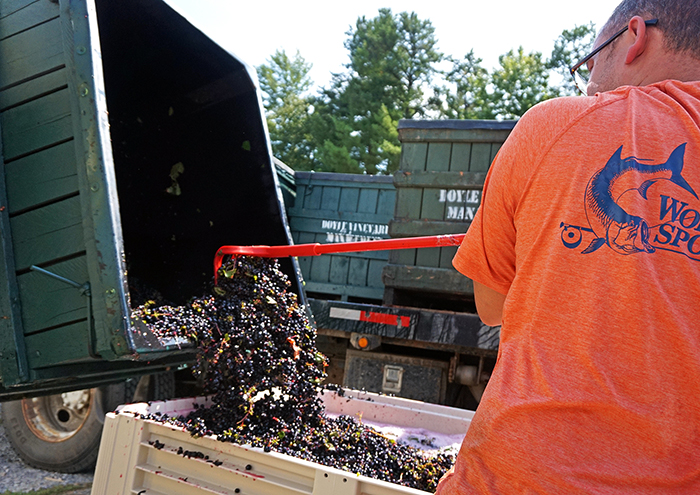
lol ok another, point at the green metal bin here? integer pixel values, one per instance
(438, 190)
(132, 147)
(331, 208)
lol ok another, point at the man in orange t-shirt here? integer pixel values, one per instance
(586, 249)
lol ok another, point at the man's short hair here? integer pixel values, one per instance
(679, 21)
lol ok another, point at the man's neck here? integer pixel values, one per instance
(679, 67)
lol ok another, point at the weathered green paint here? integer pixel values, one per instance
(37, 124)
(458, 133)
(74, 376)
(404, 256)
(305, 266)
(328, 289)
(480, 158)
(285, 177)
(443, 168)
(438, 157)
(342, 208)
(432, 208)
(42, 177)
(13, 354)
(20, 15)
(429, 257)
(374, 274)
(308, 214)
(33, 89)
(447, 254)
(367, 201)
(439, 280)
(415, 228)
(408, 203)
(61, 345)
(386, 200)
(330, 198)
(47, 302)
(338, 270)
(460, 158)
(357, 271)
(30, 53)
(48, 233)
(349, 199)
(413, 158)
(310, 197)
(320, 270)
(100, 218)
(302, 237)
(441, 180)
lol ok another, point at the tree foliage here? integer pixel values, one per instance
(417, 56)
(285, 83)
(392, 58)
(395, 71)
(464, 92)
(571, 46)
(519, 83)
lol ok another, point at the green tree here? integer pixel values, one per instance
(571, 46)
(521, 81)
(392, 58)
(417, 57)
(333, 136)
(464, 94)
(351, 126)
(285, 83)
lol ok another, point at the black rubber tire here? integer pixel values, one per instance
(34, 430)
(67, 440)
(162, 386)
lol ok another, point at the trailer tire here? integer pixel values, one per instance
(62, 432)
(163, 386)
(58, 432)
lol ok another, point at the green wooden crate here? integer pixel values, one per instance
(132, 147)
(332, 208)
(438, 190)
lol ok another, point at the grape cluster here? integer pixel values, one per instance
(173, 322)
(258, 359)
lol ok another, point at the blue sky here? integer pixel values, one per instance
(253, 30)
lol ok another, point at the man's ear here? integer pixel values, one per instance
(637, 29)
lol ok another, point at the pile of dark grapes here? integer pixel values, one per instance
(258, 359)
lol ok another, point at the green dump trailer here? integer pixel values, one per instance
(132, 147)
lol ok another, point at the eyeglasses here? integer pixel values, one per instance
(580, 71)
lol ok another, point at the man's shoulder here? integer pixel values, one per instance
(544, 122)
(565, 108)
(558, 113)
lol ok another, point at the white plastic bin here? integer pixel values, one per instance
(129, 465)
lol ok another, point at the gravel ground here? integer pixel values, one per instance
(16, 476)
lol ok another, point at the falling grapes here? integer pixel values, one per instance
(258, 359)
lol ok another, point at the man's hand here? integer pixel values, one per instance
(489, 304)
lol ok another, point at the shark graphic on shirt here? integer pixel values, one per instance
(608, 220)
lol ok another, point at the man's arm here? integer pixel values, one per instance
(489, 304)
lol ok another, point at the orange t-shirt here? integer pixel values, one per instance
(590, 225)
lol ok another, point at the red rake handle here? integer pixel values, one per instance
(342, 247)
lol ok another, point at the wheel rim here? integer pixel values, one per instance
(56, 418)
